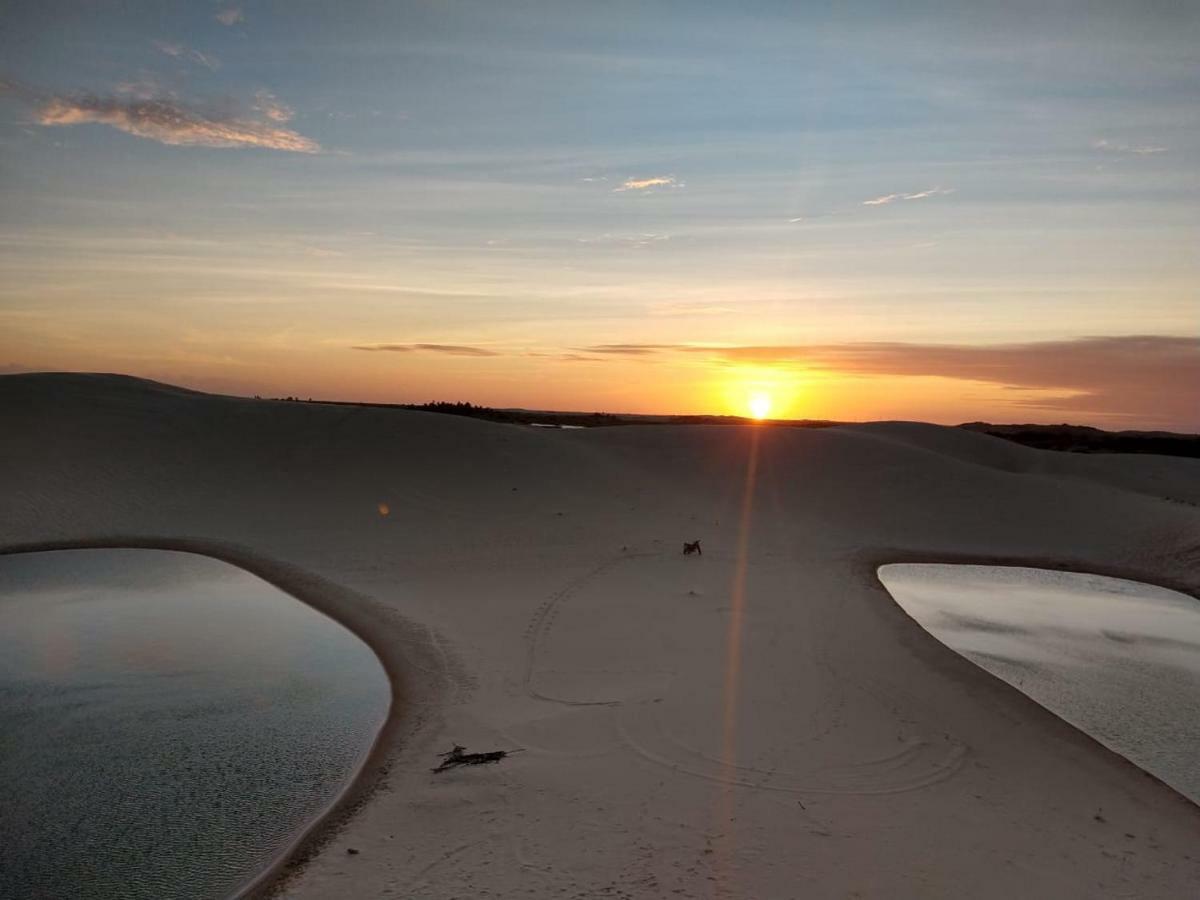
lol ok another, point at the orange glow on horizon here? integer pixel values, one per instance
(636, 385)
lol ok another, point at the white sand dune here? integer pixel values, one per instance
(526, 588)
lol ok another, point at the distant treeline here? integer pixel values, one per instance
(585, 420)
(515, 416)
(460, 409)
(551, 417)
(1066, 438)
(1084, 439)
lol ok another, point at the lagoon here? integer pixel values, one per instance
(169, 723)
(1118, 659)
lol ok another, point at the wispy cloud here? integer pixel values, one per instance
(145, 87)
(448, 349)
(272, 108)
(636, 241)
(230, 16)
(918, 195)
(567, 357)
(932, 192)
(169, 121)
(629, 349)
(642, 184)
(1121, 147)
(179, 51)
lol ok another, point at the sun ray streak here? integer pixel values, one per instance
(733, 666)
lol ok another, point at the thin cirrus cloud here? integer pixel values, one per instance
(272, 107)
(630, 349)
(1119, 376)
(642, 184)
(565, 357)
(1122, 147)
(918, 195)
(448, 349)
(179, 51)
(171, 122)
(230, 16)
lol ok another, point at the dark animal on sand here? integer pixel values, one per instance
(693, 547)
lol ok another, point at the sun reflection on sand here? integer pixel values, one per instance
(733, 666)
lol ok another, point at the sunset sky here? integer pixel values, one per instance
(930, 210)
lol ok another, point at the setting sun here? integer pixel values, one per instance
(758, 392)
(760, 405)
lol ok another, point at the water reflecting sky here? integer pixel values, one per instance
(1116, 658)
(167, 722)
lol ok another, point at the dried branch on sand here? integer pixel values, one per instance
(458, 756)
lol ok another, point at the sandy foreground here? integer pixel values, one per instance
(758, 722)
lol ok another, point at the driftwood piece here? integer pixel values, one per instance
(458, 756)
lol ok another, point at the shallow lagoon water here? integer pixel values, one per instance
(168, 723)
(1118, 659)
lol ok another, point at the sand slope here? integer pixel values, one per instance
(532, 580)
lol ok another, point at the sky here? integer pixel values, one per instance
(943, 211)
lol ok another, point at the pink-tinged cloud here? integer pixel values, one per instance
(642, 184)
(171, 122)
(270, 106)
(230, 16)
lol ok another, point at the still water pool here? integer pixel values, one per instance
(1118, 659)
(168, 723)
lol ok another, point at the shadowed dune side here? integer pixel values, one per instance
(844, 751)
(1163, 477)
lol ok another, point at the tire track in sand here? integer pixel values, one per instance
(541, 623)
(917, 763)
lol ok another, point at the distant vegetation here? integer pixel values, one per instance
(1067, 438)
(1083, 439)
(516, 416)
(562, 419)
(581, 419)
